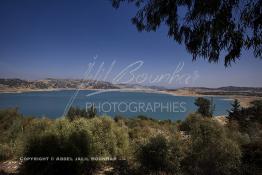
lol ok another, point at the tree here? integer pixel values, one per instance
(76, 144)
(234, 113)
(160, 156)
(252, 158)
(204, 107)
(92, 111)
(248, 119)
(207, 28)
(211, 151)
(75, 112)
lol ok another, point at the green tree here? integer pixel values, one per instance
(60, 140)
(252, 158)
(234, 113)
(249, 119)
(210, 150)
(160, 156)
(92, 111)
(206, 28)
(75, 112)
(204, 107)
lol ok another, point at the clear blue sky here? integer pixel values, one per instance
(59, 38)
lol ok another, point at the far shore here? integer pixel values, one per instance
(244, 100)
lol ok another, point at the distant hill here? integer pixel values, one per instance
(52, 83)
(228, 90)
(55, 84)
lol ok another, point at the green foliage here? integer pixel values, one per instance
(252, 158)
(206, 28)
(11, 126)
(204, 107)
(197, 145)
(234, 113)
(249, 119)
(5, 152)
(92, 111)
(191, 120)
(76, 144)
(154, 155)
(75, 112)
(158, 155)
(210, 150)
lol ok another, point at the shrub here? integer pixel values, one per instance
(252, 158)
(210, 150)
(75, 112)
(160, 156)
(58, 144)
(5, 152)
(205, 107)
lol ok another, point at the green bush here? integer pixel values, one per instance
(210, 150)
(160, 156)
(73, 144)
(252, 158)
(75, 112)
(205, 106)
(6, 152)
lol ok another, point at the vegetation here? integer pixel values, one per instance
(75, 112)
(205, 106)
(18, 84)
(211, 151)
(206, 28)
(141, 145)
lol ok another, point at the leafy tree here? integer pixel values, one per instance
(206, 28)
(158, 156)
(109, 138)
(234, 113)
(5, 152)
(190, 121)
(75, 112)
(252, 158)
(204, 107)
(249, 119)
(256, 108)
(92, 111)
(154, 155)
(210, 150)
(61, 140)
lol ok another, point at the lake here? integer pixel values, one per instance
(52, 104)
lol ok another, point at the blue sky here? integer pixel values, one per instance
(58, 39)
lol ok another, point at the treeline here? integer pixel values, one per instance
(141, 145)
(55, 83)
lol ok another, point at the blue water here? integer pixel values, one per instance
(52, 104)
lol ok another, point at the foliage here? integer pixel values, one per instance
(76, 144)
(210, 150)
(249, 119)
(252, 158)
(206, 28)
(75, 112)
(234, 113)
(158, 155)
(5, 152)
(205, 107)
(141, 145)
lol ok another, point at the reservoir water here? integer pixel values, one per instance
(52, 104)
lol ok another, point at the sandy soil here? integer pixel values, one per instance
(244, 100)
